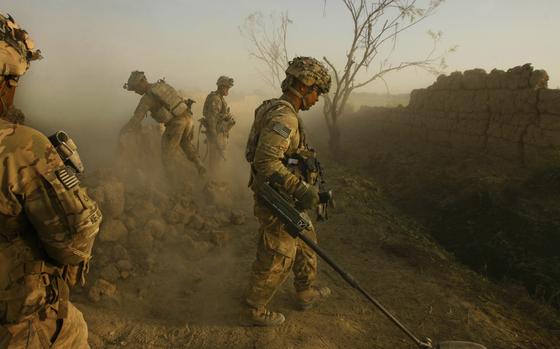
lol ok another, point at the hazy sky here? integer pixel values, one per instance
(192, 42)
(90, 47)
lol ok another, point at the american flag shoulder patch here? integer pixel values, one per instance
(281, 130)
(68, 180)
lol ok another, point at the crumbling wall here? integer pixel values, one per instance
(511, 115)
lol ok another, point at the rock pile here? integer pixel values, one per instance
(140, 221)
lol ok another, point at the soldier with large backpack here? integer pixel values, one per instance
(166, 107)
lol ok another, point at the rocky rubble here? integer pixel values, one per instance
(139, 221)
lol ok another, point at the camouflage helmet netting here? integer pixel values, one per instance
(17, 49)
(310, 72)
(133, 80)
(224, 81)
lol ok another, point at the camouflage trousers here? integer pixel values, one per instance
(176, 141)
(216, 154)
(50, 333)
(278, 253)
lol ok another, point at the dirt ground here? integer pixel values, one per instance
(176, 280)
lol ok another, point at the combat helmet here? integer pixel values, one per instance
(134, 79)
(310, 72)
(225, 81)
(17, 50)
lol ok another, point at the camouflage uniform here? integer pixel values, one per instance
(218, 122)
(48, 228)
(276, 136)
(280, 136)
(168, 108)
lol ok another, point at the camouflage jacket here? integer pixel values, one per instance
(215, 111)
(276, 134)
(46, 217)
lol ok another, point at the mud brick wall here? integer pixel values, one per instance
(511, 115)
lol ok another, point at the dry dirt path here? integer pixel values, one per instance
(186, 292)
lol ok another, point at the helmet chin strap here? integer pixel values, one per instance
(5, 84)
(3, 103)
(302, 97)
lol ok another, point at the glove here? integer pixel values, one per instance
(307, 196)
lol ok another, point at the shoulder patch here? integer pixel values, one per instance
(68, 180)
(281, 130)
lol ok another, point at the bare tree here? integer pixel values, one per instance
(377, 26)
(268, 37)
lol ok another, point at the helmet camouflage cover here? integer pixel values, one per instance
(133, 80)
(224, 81)
(16, 48)
(310, 72)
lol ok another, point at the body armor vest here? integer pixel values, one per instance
(169, 98)
(223, 107)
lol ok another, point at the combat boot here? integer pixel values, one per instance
(264, 317)
(307, 298)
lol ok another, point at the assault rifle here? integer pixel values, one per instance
(297, 222)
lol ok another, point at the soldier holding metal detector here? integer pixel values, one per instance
(278, 152)
(284, 173)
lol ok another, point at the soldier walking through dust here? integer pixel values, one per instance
(217, 122)
(167, 107)
(277, 151)
(48, 222)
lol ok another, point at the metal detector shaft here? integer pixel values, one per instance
(296, 222)
(350, 279)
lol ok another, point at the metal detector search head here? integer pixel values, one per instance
(459, 345)
(296, 222)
